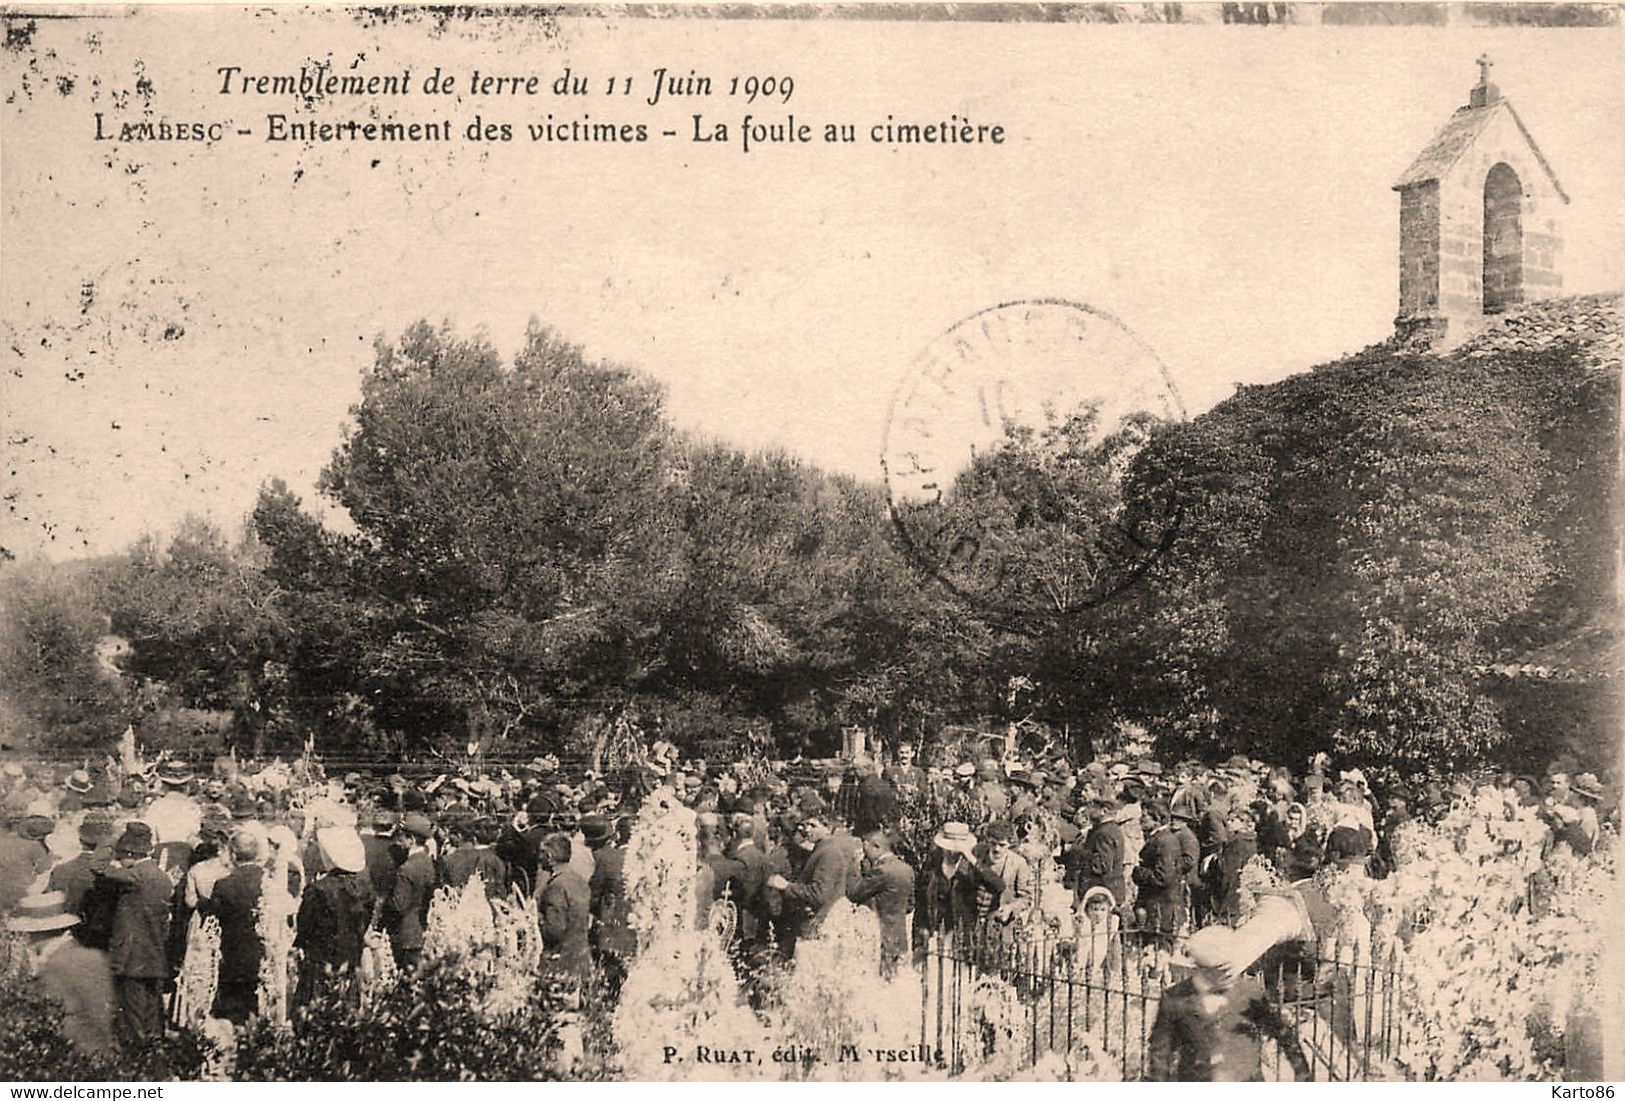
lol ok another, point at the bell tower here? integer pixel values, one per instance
(1479, 222)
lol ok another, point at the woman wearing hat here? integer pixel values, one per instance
(333, 916)
(76, 978)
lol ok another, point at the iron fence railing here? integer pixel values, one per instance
(995, 991)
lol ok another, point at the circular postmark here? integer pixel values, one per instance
(1004, 457)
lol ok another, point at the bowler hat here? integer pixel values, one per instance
(135, 841)
(595, 828)
(96, 829)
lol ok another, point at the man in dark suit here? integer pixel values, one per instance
(745, 848)
(235, 903)
(565, 904)
(383, 855)
(1099, 860)
(887, 887)
(407, 906)
(1209, 1026)
(1159, 875)
(832, 861)
(612, 938)
(75, 878)
(954, 881)
(137, 950)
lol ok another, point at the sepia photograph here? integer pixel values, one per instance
(856, 542)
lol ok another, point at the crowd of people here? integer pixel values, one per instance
(98, 877)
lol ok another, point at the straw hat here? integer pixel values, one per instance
(955, 837)
(1587, 786)
(42, 913)
(78, 780)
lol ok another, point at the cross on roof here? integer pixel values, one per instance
(1484, 64)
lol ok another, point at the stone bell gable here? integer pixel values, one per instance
(1479, 222)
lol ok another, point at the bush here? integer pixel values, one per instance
(428, 1028)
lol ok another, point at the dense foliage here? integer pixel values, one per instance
(532, 550)
(432, 1028)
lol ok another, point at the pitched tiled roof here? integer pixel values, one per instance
(1591, 321)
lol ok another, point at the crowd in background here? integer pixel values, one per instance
(94, 875)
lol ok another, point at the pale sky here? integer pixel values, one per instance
(1224, 191)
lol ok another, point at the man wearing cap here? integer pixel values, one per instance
(23, 855)
(1018, 889)
(407, 907)
(76, 978)
(334, 914)
(138, 947)
(953, 881)
(1209, 1026)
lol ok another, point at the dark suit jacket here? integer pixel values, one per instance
(948, 905)
(382, 863)
(566, 906)
(607, 900)
(888, 889)
(460, 865)
(407, 907)
(753, 915)
(138, 947)
(821, 882)
(1161, 881)
(1100, 861)
(74, 878)
(235, 902)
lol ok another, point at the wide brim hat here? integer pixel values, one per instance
(78, 780)
(342, 848)
(1024, 778)
(176, 773)
(1586, 786)
(955, 837)
(42, 913)
(965, 768)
